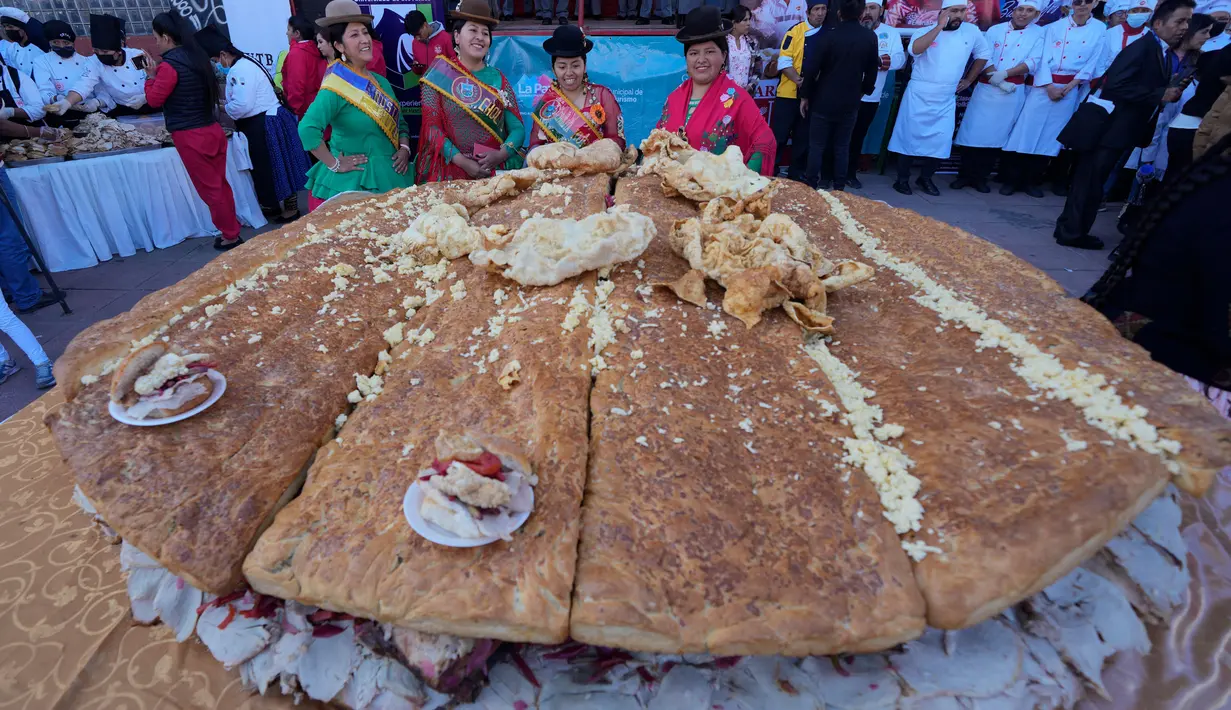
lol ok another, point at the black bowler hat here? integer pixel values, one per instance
(568, 41)
(58, 29)
(106, 32)
(703, 24)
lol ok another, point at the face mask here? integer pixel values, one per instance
(1137, 20)
(221, 71)
(66, 52)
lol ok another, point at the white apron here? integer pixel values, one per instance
(990, 116)
(925, 122)
(1041, 121)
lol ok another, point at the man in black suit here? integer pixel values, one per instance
(1138, 83)
(836, 76)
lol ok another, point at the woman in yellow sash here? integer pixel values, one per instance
(573, 110)
(369, 147)
(471, 124)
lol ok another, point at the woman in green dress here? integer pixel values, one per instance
(369, 147)
(471, 123)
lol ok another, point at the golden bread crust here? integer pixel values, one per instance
(344, 544)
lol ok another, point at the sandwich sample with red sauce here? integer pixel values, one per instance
(154, 382)
(473, 492)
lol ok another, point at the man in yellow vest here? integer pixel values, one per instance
(788, 123)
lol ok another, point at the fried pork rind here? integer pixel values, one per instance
(690, 287)
(444, 231)
(762, 263)
(600, 157)
(699, 175)
(480, 194)
(544, 252)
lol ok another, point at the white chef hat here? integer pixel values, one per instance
(1214, 6)
(1132, 4)
(952, 3)
(1066, 3)
(1036, 4)
(878, 3)
(1112, 6)
(13, 13)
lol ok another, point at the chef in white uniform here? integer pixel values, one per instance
(75, 77)
(1220, 10)
(1116, 38)
(1113, 13)
(1072, 50)
(20, 99)
(924, 129)
(18, 52)
(121, 84)
(1017, 49)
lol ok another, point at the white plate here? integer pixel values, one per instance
(220, 386)
(437, 534)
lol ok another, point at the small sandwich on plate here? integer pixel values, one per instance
(156, 383)
(476, 487)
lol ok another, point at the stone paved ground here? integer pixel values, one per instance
(1021, 224)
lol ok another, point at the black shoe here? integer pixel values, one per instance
(960, 183)
(286, 219)
(1007, 189)
(927, 186)
(838, 187)
(46, 299)
(1084, 242)
(563, 20)
(854, 183)
(1059, 190)
(902, 188)
(546, 20)
(824, 184)
(506, 18)
(1033, 191)
(227, 246)
(668, 20)
(981, 187)
(642, 21)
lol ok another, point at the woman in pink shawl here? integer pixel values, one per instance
(709, 109)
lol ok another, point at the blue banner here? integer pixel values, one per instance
(640, 71)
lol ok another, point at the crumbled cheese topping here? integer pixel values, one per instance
(500, 296)
(393, 335)
(888, 468)
(578, 305)
(1072, 444)
(746, 425)
(1088, 391)
(458, 290)
(254, 339)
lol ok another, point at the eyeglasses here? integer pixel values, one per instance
(1077, 3)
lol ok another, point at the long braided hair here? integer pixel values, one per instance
(1214, 164)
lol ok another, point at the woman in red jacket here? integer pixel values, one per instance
(183, 86)
(304, 68)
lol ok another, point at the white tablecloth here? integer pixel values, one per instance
(80, 212)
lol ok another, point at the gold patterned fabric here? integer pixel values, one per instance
(68, 641)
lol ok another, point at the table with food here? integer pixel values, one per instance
(133, 192)
(592, 434)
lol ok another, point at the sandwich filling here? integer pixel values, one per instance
(172, 382)
(476, 493)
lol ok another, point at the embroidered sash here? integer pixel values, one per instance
(365, 95)
(480, 101)
(562, 121)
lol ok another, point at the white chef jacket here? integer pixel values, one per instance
(1114, 42)
(26, 96)
(77, 73)
(991, 113)
(888, 41)
(1214, 44)
(32, 62)
(122, 85)
(929, 106)
(1068, 50)
(249, 91)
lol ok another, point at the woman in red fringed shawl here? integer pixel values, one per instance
(471, 124)
(711, 110)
